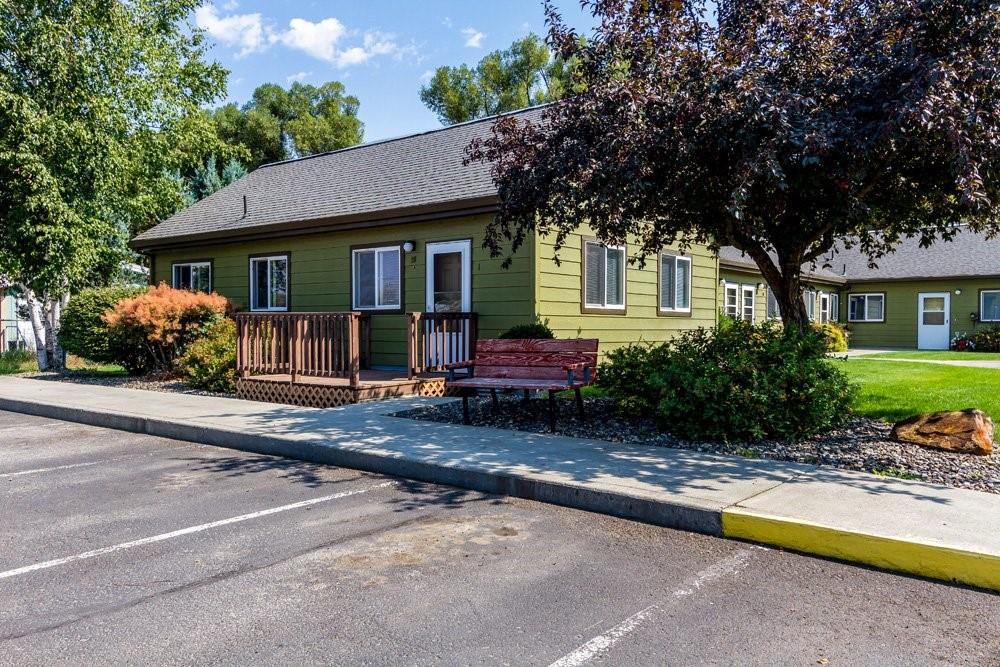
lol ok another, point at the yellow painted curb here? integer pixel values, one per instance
(913, 557)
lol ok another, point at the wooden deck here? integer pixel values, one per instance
(320, 392)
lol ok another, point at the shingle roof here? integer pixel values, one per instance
(730, 256)
(387, 179)
(968, 254)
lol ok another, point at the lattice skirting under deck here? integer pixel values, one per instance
(331, 396)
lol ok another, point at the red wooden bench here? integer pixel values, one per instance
(528, 365)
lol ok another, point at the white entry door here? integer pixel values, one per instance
(933, 320)
(449, 290)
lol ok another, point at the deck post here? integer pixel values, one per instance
(296, 351)
(354, 337)
(411, 344)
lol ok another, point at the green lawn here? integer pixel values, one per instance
(892, 390)
(935, 355)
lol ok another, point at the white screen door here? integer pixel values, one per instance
(449, 290)
(933, 320)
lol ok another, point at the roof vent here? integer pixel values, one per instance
(244, 206)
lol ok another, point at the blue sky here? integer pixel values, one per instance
(381, 50)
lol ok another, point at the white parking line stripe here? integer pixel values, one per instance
(186, 531)
(602, 642)
(70, 466)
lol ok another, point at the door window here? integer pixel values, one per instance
(934, 310)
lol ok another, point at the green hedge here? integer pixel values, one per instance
(84, 332)
(734, 382)
(209, 362)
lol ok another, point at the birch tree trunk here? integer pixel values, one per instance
(45, 313)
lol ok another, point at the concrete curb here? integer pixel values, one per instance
(933, 561)
(668, 514)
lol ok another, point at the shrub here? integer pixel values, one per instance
(737, 381)
(18, 360)
(835, 336)
(82, 329)
(536, 329)
(155, 327)
(209, 362)
(986, 340)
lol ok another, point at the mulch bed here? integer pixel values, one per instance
(164, 383)
(861, 444)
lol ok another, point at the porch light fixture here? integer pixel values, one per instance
(408, 246)
(722, 281)
(760, 285)
(958, 292)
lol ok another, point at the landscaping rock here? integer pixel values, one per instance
(966, 431)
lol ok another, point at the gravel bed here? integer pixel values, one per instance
(861, 444)
(162, 383)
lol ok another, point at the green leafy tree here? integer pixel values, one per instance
(777, 126)
(277, 124)
(523, 75)
(99, 100)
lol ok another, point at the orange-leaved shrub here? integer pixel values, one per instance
(153, 328)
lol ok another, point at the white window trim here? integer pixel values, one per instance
(192, 266)
(982, 304)
(867, 295)
(768, 295)
(605, 305)
(253, 284)
(677, 259)
(821, 295)
(753, 302)
(378, 277)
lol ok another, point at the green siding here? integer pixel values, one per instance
(559, 297)
(320, 276)
(900, 326)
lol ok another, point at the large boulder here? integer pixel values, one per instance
(965, 431)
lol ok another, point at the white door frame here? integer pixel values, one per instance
(929, 335)
(463, 247)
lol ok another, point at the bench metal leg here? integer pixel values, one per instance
(527, 396)
(553, 411)
(579, 403)
(496, 401)
(465, 409)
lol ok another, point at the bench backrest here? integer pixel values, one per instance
(533, 359)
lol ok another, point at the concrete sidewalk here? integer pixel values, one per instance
(905, 526)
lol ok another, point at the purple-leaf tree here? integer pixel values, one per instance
(781, 127)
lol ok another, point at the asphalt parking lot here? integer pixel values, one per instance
(118, 548)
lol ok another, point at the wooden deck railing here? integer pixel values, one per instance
(328, 345)
(436, 339)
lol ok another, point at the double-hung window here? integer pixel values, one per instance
(749, 297)
(731, 304)
(989, 305)
(809, 297)
(269, 283)
(194, 276)
(834, 307)
(866, 307)
(603, 276)
(377, 278)
(675, 284)
(773, 312)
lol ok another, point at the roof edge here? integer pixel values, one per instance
(453, 209)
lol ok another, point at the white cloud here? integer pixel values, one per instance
(446, 22)
(317, 39)
(427, 76)
(473, 38)
(231, 5)
(298, 76)
(245, 31)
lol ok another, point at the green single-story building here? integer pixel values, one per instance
(396, 227)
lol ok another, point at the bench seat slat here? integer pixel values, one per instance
(514, 383)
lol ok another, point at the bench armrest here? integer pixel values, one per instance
(578, 366)
(459, 364)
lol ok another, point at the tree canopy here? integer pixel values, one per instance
(776, 126)
(99, 101)
(525, 74)
(304, 119)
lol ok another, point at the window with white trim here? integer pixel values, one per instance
(269, 283)
(731, 304)
(749, 293)
(824, 307)
(866, 308)
(603, 276)
(773, 311)
(989, 305)
(194, 276)
(834, 307)
(675, 284)
(377, 278)
(809, 298)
